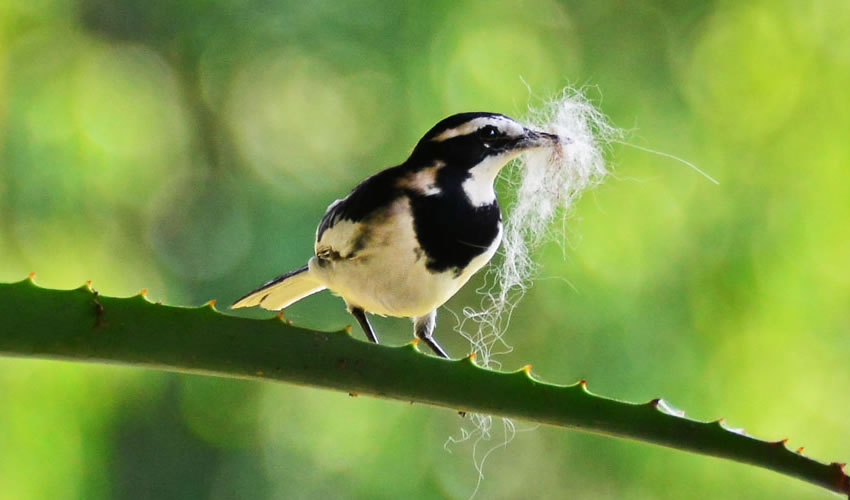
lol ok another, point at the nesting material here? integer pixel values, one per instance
(547, 182)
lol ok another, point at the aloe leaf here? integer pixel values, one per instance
(82, 325)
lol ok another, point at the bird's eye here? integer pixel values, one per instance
(488, 132)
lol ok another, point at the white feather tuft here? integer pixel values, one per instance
(549, 181)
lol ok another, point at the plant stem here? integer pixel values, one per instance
(84, 326)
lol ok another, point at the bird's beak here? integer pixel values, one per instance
(535, 139)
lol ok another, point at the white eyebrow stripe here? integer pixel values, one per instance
(471, 126)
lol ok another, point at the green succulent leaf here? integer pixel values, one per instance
(82, 325)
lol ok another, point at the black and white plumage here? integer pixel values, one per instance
(406, 239)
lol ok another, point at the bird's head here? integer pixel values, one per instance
(473, 147)
(465, 140)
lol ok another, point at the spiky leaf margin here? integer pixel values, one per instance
(82, 325)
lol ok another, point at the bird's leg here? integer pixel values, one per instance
(360, 315)
(423, 328)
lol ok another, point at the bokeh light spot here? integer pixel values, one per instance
(474, 75)
(746, 72)
(294, 123)
(495, 57)
(197, 229)
(126, 103)
(222, 412)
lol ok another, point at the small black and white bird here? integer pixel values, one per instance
(406, 239)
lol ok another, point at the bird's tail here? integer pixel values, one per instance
(282, 291)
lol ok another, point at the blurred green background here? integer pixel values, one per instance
(191, 147)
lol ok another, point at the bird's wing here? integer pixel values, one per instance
(344, 230)
(337, 235)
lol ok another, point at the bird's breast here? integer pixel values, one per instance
(452, 233)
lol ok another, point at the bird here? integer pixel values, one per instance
(407, 238)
